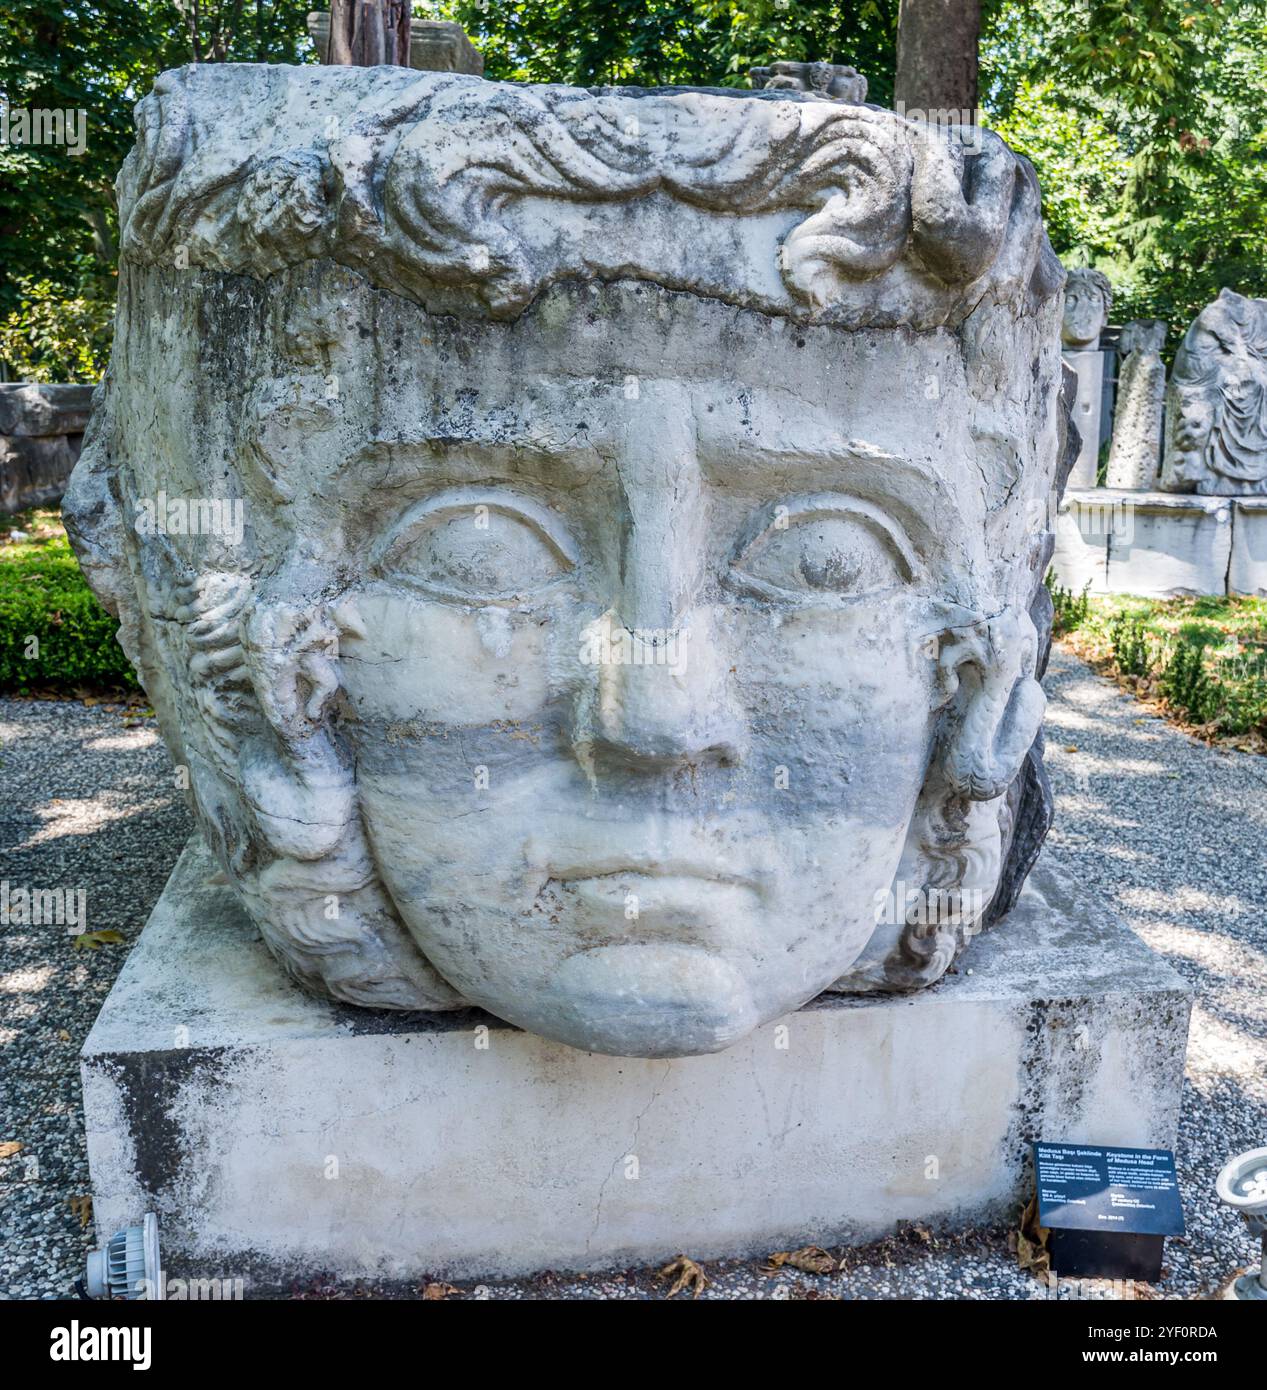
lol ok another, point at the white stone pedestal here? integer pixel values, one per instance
(1247, 572)
(1091, 367)
(277, 1135)
(1155, 544)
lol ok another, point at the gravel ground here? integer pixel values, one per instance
(1170, 832)
(1174, 835)
(89, 804)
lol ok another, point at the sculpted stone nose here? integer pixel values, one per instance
(658, 696)
(665, 706)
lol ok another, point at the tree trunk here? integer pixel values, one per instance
(365, 33)
(103, 243)
(937, 56)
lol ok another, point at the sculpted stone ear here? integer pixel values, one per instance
(294, 778)
(290, 652)
(987, 672)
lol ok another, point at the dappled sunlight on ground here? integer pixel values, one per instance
(1173, 845)
(70, 817)
(1184, 899)
(1172, 835)
(29, 980)
(1237, 811)
(89, 808)
(1081, 762)
(1218, 1049)
(122, 743)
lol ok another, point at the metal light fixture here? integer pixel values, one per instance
(127, 1265)
(1243, 1185)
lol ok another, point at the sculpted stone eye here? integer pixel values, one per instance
(478, 553)
(839, 554)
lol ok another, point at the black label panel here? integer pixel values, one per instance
(1086, 1187)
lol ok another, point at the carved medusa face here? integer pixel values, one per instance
(644, 665)
(646, 640)
(614, 657)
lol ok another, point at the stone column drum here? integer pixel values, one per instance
(1135, 453)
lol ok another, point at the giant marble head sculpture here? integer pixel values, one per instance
(644, 502)
(1216, 415)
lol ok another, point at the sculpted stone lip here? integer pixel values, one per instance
(674, 869)
(689, 909)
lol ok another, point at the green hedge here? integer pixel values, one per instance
(1206, 657)
(43, 596)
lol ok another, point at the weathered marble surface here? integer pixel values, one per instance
(34, 410)
(644, 499)
(1154, 544)
(1247, 568)
(41, 431)
(1161, 544)
(1086, 311)
(1216, 406)
(1088, 369)
(1135, 453)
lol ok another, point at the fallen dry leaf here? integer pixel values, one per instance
(82, 1208)
(94, 940)
(1030, 1242)
(435, 1292)
(689, 1275)
(63, 1035)
(812, 1259)
(9, 1148)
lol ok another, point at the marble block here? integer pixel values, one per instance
(33, 471)
(277, 1134)
(1090, 367)
(1247, 571)
(834, 80)
(1081, 557)
(1155, 544)
(41, 431)
(37, 410)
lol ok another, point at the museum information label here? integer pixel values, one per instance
(1085, 1187)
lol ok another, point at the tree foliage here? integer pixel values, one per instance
(1147, 123)
(57, 334)
(58, 222)
(1146, 120)
(709, 43)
